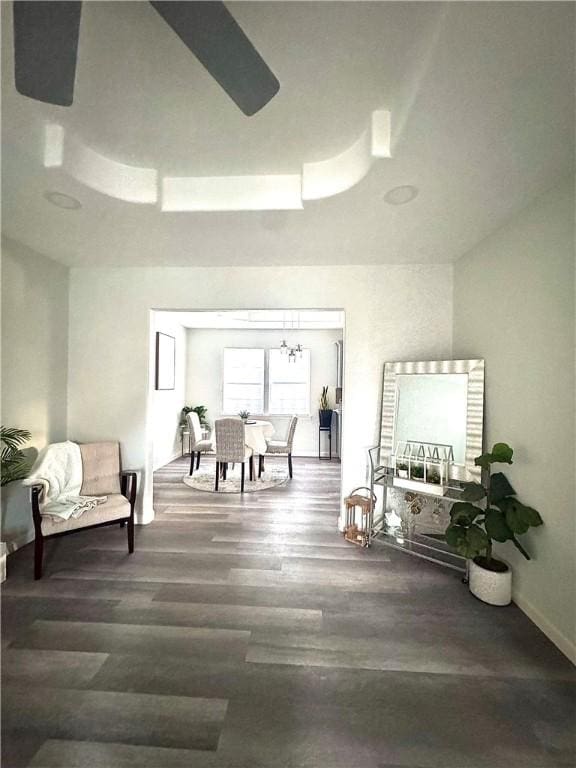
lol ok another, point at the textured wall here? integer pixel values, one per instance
(514, 306)
(165, 405)
(392, 313)
(204, 380)
(34, 364)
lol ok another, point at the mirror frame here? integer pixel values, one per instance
(474, 410)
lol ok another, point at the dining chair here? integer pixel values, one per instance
(281, 447)
(231, 448)
(197, 443)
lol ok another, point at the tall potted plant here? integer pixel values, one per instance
(473, 529)
(325, 411)
(15, 464)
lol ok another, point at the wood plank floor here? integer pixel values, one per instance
(245, 633)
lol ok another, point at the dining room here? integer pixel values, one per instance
(245, 407)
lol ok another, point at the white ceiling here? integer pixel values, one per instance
(290, 320)
(481, 97)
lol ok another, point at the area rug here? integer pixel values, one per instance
(204, 481)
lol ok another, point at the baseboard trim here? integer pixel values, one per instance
(560, 640)
(173, 457)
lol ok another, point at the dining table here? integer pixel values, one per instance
(256, 432)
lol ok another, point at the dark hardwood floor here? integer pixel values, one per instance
(245, 633)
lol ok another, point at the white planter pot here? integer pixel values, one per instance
(490, 586)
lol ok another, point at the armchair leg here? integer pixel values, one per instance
(290, 465)
(122, 523)
(251, 465)
(217, 475)
(225, 470)
(260, 465)
(38, 553)
(198, 460)
(131, 534)
(191, 463)
(242, 473)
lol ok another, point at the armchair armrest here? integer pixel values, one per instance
(128, 480)
(35, 491)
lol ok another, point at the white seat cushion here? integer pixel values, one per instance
(115, 508)
(276, 446)
(202, 445)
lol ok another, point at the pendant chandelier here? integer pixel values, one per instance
(294, 351)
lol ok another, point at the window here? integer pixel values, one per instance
(288, 383)
(243, 381)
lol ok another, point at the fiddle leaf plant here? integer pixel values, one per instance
(473, 529)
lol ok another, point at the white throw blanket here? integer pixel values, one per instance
(59, 471)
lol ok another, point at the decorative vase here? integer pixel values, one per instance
(491, 586)
(325, 417)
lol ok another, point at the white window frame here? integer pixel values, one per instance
(271, 411)
(227, 383)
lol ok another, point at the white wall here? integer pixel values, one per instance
(34, 365)
(204, 373)
(392, 313)
(165, 405)
(514, 306)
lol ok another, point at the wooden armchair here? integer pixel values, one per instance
(102, 476)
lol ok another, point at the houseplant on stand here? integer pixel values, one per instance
(201, 410)
(472, 529)
(325, 412)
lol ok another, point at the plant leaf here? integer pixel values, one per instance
(496, 525)
(501, 453)
(473, 492)
(518, 516)
(13, 437)
(483, 461)
(532, 516)
(463, 513)
(455, 536)
(468, 542)
(477, 539)
(500, 487)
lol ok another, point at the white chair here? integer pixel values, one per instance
(197, 442)
(281, 447)
(231, 448)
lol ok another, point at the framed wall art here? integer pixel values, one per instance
(165, 361)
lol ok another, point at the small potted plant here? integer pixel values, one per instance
(244, 415)
(473, 529)
(325, 412)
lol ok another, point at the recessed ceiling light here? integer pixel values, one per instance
(62, 200)
(401, 195)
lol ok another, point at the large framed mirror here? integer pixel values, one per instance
(432, 421)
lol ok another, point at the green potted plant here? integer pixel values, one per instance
(325, 411)
(473, 529)
(14, 464)
(201, 410)
(244, 415)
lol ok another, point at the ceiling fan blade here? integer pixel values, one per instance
(216, 39)
(45, 49)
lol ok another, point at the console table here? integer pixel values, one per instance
(425, 546)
